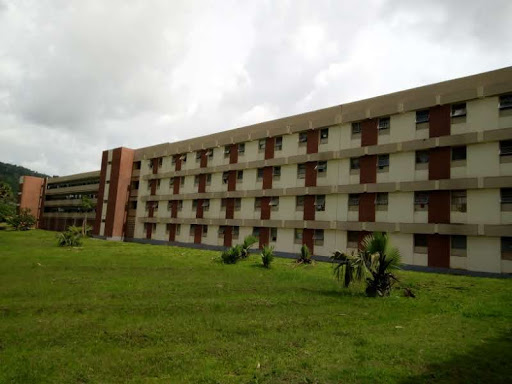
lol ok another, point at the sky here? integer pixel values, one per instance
(79, 77)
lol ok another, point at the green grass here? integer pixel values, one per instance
(128, 313)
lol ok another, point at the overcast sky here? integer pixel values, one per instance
(78, 77)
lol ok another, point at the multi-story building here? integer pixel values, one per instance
(431, 166)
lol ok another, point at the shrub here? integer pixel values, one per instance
(374, 261)
(70, 238)
(267, 256)
(305, 255)
(249, 241)
(22, 221)
(232, 255)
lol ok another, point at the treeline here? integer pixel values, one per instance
(10, 174)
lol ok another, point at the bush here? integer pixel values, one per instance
(70, 238)
(249, 241)
(22, 221)
(232, 255)
(267, 256)
(305, 255)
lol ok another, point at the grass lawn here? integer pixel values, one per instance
(127, 313)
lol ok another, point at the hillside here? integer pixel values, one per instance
(11, 174)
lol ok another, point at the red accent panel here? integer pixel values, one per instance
(198, 233)
(307, 238)
(155, 166)
(149, 230)
(269, 148)
(439, 121)
(309, 207)
(176, 185)
(151, 210)
(202, 184)
(311, 174)
(439, 163)
(265, 208)
(233, 154)
(264, 236)
(267, 178)
(204, 159)
(367, 207)
(153, 186)
(368, 169)
(101, 192)
(369, 132)
(199, 212)
(228, 236)
(438, 251)
(439, 207)
(230, 208)
(174, 208)
(232, 181)
(177, 163)
(172, 232)
(313, 138)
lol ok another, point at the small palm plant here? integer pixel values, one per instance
(267, 256)
(305, 255)
(249, 241)
(375, 262)
(70, 238)
(231, 255)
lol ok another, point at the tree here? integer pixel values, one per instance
(7, 206)
(23, 221)
(87, 205)
(375, 262)
(5, 191)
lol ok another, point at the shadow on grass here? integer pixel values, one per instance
(489, 362)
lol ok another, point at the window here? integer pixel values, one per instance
(259, 174)
(324, 135)
(459, 201)
(274, 203)
(383, 161)
(273, 235)
(173, 160)
(238, 204)
(352, 239)
(299, 203)
(223, 203)
(182, 181)
(506, 248)
(506, 199)
(169, 205)
(171, 181)
(180, 205)
(384, 123)
(422, 157)
(198, 156)
(227, 150)
(459, 153)
(381, 199)
(321, 168)
(183, 158)
(194, 204)
(206, 205)
(209, 179)
(506, 148)
(276, 172)
(298, 235)
(356, 128)
(209, 153)
(279, 143)
(241, 148)
(225, 177)
(353, 200)
(420, 199)
(135, 185)
(458, 110)
(256, 231)
(222, 230)
(158, 184)
(458, 245)
(196, 179)
(420, 243)
(505, 102)
(422, 116)
(240, 176)
(178, 229)
(150, 164)
(205, 230)
(354, 164)
(320, 203)
(257, 203)
(137, 165)
(318, 237)
(301, 171)
(303, 138)
(262, 144)
(236, 232)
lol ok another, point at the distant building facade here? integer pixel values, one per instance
(431, 166)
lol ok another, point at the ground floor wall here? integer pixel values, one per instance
(61, 224)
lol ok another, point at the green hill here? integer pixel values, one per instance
(11, 175)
